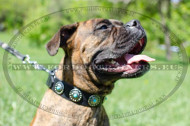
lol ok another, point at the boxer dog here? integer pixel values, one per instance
(109, 50)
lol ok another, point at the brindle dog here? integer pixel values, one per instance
(109, 51)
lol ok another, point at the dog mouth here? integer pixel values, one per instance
(128, 64)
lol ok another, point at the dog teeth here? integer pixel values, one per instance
(113, 62)
(125, 72)
(117, 64)
(141, 43)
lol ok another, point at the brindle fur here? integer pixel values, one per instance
(71, 114)
(81, 42)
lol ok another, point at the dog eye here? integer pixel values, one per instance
(103, 27)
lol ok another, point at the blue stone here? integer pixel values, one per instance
(94, 100)
(75, 95)
(59, 87)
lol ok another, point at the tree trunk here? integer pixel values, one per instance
(165, 14)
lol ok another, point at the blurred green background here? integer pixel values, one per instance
(129, 94)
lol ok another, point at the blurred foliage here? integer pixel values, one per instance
(15, 14)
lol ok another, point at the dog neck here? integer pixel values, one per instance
(66, 73)
(70, 112)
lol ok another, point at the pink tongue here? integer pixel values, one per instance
(130, 58)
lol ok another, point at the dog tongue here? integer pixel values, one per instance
(130, 58)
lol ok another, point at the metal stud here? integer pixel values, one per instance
(94, 100)
(59, 87)
(75, 95)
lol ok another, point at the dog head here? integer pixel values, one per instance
(109, 50)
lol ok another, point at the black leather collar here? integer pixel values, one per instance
(73, 93)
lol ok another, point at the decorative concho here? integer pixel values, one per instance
(94, 100)
(75, 95)
(59, 87)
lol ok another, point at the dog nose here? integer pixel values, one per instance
(132, 23)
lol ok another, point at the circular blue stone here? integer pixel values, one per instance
(94, 100)
(59, 87)
(75, 95)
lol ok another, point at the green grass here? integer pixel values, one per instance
(128, 95)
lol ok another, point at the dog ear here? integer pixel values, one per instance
(60, 38)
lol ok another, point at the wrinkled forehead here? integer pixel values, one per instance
(93, 22)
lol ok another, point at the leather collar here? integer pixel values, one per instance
(73, 93)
